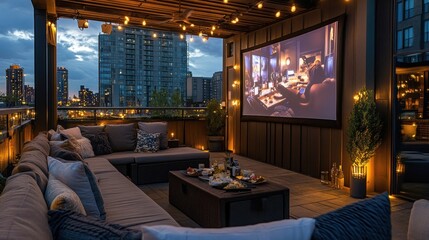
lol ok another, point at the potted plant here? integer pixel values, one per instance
(363, 138)
(215, 126)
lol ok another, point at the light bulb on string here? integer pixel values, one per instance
(293, 8)
(144, 23)
(278, 13)
(260, 5)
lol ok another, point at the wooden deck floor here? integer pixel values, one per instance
(308, 198)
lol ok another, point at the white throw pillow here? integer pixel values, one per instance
(299, 229)
(418, 225)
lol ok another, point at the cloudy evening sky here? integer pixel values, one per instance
(77, 50)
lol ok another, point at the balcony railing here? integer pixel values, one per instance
(130, 113)
(13, 118)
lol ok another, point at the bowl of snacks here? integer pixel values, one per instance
(192, 172)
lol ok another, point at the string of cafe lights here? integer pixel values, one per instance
(205, 32)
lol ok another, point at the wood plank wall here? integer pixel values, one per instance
(12, 145)
(301, 148)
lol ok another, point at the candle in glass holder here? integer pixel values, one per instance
(172, 135)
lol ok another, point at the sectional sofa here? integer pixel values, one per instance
(128, 213)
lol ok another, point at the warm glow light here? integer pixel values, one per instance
(278, 14)
(235, 67)
(200, 34)
(144, 23)
(182, 36)
(225, 1)
(205, 39)
(184, 28)
(191, 39)
(192, 25)
(236, 19)
(260, 5)
(155, 35)
(293, 8)
(213, 27)
(356, 97)
(233, 21)
(119, 27)
(127, 18)
(211, 32)
(172, 135)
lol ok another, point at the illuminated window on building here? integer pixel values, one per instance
(400, 11)
(400, 43)
(426, 6)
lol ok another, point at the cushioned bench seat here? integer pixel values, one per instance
(125, 203)
(171, 155)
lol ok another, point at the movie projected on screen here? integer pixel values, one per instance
(295, 78)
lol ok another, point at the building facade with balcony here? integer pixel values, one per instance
(133, 63)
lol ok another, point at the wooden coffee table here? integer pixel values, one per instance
(211, 207)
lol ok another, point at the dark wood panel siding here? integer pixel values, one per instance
(308, 149)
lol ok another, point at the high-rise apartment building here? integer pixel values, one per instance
(15, 84)
(62, 85)
(134, 62)
(86, 97)
(29, 94)
(216, 85)
(201, 90)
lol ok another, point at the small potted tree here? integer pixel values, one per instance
(363, 138)
(215, 126)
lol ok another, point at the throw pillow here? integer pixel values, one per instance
(417, 226)
(71, 132)
(122, 137)
(85, 130)
(100, 143)
(299, 229)
(59, 196)
(367, 219)
(83, 146)
(78, 177)
(147, 142)
(53, 135)
(156, 127)
(67, 225)
(63, 150)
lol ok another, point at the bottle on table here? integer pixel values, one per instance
(334, 175)
(340, 177)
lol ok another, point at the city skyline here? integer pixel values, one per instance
(78, 50)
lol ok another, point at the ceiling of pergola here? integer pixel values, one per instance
(203, 14)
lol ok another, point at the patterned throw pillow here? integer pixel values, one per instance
(367, 219)
(147, 142)
(71, 225)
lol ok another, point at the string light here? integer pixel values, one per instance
(213, 27)
(200, 34)
(191, 39)
(155, 35)
(182, 36)
(278, 13)
(192, 25)
(260, 5)
(211, 33)
(144, 23)
(225, 1)
(293, 8)
(184, 28)
(127, 19)
(205, 38)
(119, 27)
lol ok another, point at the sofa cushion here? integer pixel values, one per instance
(299, 229)
(100, 143)
(67, 225)
(99, 165)
(147, 142)
(367, 219)
(122, 137)
(417, 227)
(129, 206)
(171, 155)
(119, 158)
(156, 127)
(24, 214)
(80, 179)
(37, 158)
(39, 143)
(60, 196)
(85, 130)
(39, 176)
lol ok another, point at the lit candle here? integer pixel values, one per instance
(202, 148)
(172, 135)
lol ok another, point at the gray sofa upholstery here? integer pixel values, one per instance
(24, 210)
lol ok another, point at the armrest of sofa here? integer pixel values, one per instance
(417, 226)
